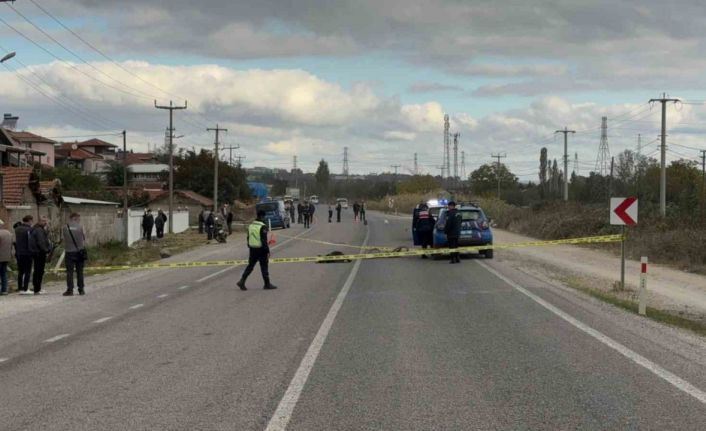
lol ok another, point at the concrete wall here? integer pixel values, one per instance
(180, 224)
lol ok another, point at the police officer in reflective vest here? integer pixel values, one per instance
(259, 252)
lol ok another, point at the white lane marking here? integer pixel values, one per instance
(103, 319)
(57, 338)
(183, 287)
(217, 273)
(4, 360)
(164, 295)
(285, 408)
(669, 377)
(136, 306)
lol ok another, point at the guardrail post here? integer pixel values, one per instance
(642, 294)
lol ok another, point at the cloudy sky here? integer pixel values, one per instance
(309, 77)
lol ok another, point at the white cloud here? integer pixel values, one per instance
(397, 135)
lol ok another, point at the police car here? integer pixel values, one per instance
(475, 228)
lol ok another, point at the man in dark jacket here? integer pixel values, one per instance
(229, 220)
(452, 229)
(148, 224)
(312, 209)
(424, 227)
(159, 223)
(40, 247)
(305, 214)
(210, 225)
(202, 220)
(75, 246)
(259, 252)
(300, 215)
(338, 212)
(23, 255)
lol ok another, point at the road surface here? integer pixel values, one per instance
(406, 344)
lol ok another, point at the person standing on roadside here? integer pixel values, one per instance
(202, 220)
(229, 221)
(452, 229)
(159, 223)
(300, 209)
(5, 256)
(362, 213)
(305, 214)
(338, 212)
(75, 246)
(210, 225)
(259, 252)
(424, 227)
(312, 210)
(23, 255)
(356, 209)
(330, 213)
(40, 247)
(148, 224)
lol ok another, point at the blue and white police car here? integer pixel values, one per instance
(475, 228)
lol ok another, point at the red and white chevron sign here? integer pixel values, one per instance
(623, 211)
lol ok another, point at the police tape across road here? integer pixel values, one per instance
(365, 256)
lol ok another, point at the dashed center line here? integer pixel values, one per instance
(164, 295)
(217, 273)
(4, 360)
(57, 338)
(183, 287)
(136, 306)
(103, 319)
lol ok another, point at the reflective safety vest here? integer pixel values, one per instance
(254, 239)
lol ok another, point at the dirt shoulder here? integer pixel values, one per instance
(669, 289)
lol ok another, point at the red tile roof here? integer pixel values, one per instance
(14, 182)
(138, 158)
(27, 137)
(67, 151)
(95, 143)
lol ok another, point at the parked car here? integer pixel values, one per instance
(343, 202)
(314, 199)
(274, 214)
(475, 228)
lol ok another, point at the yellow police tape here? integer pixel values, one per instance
(361, 256)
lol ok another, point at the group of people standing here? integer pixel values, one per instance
(149, 221)
(305, 213)
(423, 223)
(208, 220)
(33, 248)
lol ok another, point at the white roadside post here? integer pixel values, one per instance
(642, 294)
(623, 212)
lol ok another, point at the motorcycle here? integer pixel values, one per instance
(220, 234)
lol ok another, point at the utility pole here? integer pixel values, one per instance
(463, 165)
(125, 208)
(447, 162)
(663, 154)
(497, 170)
(345, 161)
(416, 165)
(566, 132)
(703, 185)
(230, 153)
(610, 179)
(240, 160)
(171, 109)
(395, 167)
(216, 155)
(456, 136)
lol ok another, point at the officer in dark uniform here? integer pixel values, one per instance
(424, 227)
(306, 214)
(259, 252)
(452, 229)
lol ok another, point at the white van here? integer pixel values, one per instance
(343, 202)
(314, 199)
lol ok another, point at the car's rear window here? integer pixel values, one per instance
(271, 206)
(470, 215)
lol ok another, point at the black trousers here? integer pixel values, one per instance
(24, 271)
(261, 256)
(338, 216)
(307, 220)
(160, 232)
(453, 243)
(330, 216)
(40, 261)
(426, 239)
(74, 263)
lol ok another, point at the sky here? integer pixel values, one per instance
(310, 77)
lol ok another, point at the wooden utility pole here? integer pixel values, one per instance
(663, 155)
(125, 208)
(215, 166)
(497, 170)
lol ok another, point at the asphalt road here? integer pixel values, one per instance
(405, 344)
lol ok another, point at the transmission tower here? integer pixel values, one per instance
(456, 136)
(447, 162)
(345, 161)
(294, 163)
(603, 160)
(416, 165)
(576, 164)
(463, 165)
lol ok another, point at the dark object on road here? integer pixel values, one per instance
(335, 253)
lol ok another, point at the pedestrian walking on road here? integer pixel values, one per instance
(76, 255)
(229, 221)
(338, 212)
(300, 209)
(23, 255)
(424, 227)
(159, 223)
(356, 210)
(5, 256)
(362, 213)
(291, 212)
(312, 210)
(147, 225)
(452, 229)
(330, 213)
(40, 247)
(259, 252)
(210, 225)
(305, 213)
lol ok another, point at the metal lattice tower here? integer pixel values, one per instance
(463, 165)
(416, 165)
(345, 161)
(603, 160)
(576, 164)
(294, 163)
(447, 161)
(456, 136)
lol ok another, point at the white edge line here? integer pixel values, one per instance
(668, 376)
(136, 306)
(103, 319)
(57, 338)
(286, 406)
